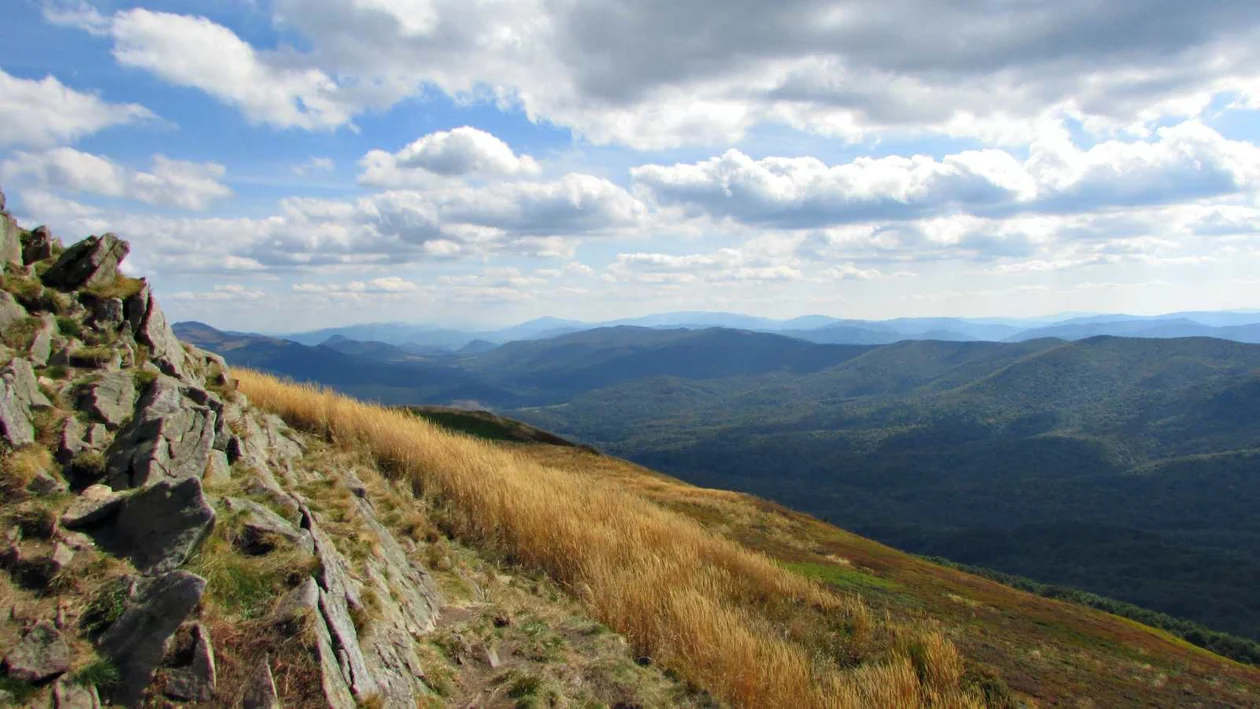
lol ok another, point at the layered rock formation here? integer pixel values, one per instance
(129, 462)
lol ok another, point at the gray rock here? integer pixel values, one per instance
(10, 240)
(97, 436)
(112, 398)
(196, 681)
(41, 655)
(261, 528)
(45, 484)
(20, 377)
(37, 245)
(159, 527)
(15, 417)
(63, 356)
(170, 437)
(260, 689)
(137, 641)
(151, 328)
(71, 441)
(94, 505)
(68, 695)
(301, 607)
(106, 313)
(219, 471)
(10, 310)
(41, 345)
(89, 263)
(338, 592)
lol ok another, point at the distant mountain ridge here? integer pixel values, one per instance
(434, 340)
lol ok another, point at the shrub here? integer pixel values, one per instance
(20, 467)
(91, 356)
(121, 287)
(69, 327)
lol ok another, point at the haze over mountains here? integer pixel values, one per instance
(1240, 326)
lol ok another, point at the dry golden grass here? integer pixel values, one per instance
(697, 604)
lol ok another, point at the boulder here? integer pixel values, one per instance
(69, 695)
(37, 245)
(151, 328)
(10, 240)
(111, 398)
(219, 471)
(158, 527)
(42, 344)
(94, 505)
(261, 530)
(10, 311)
(137, 641)
(15, 417)
(45, 484)
(194, 679)
(338, 593)
(170, 437)
(89, 263)
(71, 440)
(42, 655)
(20, 376)
(107, 313)
(260, 688)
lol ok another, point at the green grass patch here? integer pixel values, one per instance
(841, 577)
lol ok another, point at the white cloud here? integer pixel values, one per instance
(268, 87)
(225, 292)
(1183, 163)
(44, 112)
(462, 152)
(640, 74)
(174, 183)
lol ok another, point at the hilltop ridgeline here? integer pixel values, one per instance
(143, 497)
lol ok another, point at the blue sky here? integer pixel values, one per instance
(290, 164)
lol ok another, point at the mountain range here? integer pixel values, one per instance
(1118, 465)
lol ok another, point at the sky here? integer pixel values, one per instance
(282, 165)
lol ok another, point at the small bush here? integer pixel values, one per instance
(91, 356)
(106, 606)
(69, 326)
(20, 467)
(21, 333)
(101, 673)
(56, 371)
(121, 287)
(26, 290)
(88, 465)
(143, 378)
(36, 519)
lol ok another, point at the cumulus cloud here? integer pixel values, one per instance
(174, 183)
(223, 292)
(44, 112)
(723, 265)
(538, 219)
(268, 87)
(462, 152)
(1184, 162)
(640, 73)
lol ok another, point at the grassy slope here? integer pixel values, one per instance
(1046, 651)
(711, 610)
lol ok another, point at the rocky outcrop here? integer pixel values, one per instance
(10, 311)
(149, 436)
(42, 655)
(260, 691)
(10, 240)
(157, 527)
(37, 245)
(137, 641)
(170, 437)
(90, 263)
(151, 328)
(111, 398)
(193, 678)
